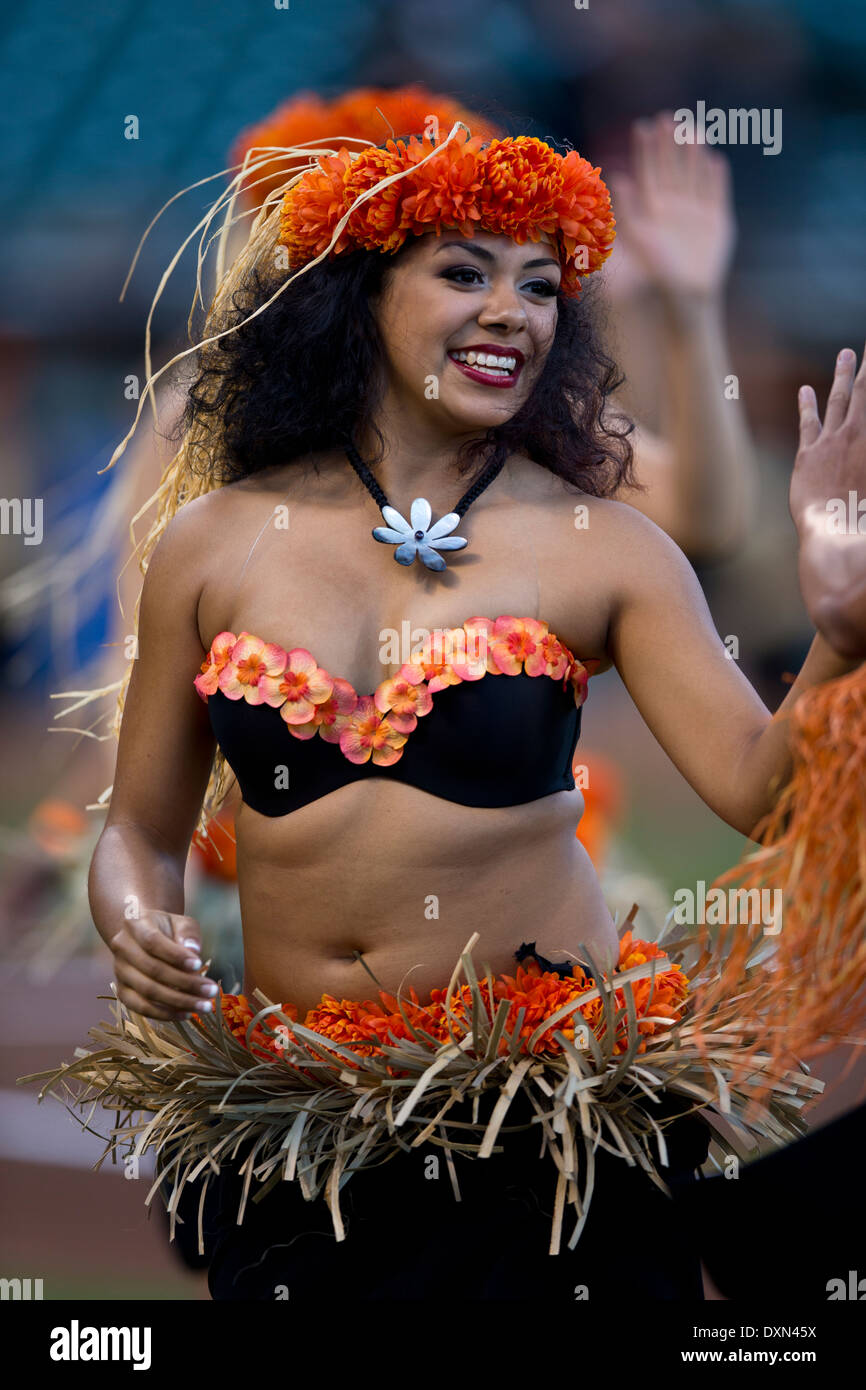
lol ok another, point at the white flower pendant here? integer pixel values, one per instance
(419, 538)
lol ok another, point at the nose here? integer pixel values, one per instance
(503, 308)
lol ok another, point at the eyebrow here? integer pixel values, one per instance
(483, 254)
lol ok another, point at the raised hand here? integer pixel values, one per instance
(674, 215)
(828, 505)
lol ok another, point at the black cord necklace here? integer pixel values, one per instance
(417, 536)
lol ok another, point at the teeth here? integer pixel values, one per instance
(487, 361)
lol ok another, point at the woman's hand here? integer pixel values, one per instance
(674, 216)
(828, 506)
(831, 458)
(157, 959)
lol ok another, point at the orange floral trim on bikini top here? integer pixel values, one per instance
(311, 701)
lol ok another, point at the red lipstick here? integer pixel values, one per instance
(504, 379)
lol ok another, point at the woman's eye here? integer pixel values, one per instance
(470, 274)
(454, 271)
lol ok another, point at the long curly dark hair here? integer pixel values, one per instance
(307, 375)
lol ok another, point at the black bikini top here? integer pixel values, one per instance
(446, 723)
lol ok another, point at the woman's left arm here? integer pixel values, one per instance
(684, 680)
(688, 687)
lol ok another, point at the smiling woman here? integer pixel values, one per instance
(363, 333)
(391, 808)
(520, 313)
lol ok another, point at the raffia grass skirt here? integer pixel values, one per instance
(409, 1238)
(271, 1143)
(472, 1158)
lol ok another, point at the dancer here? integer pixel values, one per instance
(361, 346)
(674, 234)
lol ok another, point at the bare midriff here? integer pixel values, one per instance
(380, 878)
(403, 879)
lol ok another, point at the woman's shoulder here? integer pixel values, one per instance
(550, 491)
(618, 545)
(292, 479)
(212, 524)
(229, 499)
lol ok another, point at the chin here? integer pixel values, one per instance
(479, 414)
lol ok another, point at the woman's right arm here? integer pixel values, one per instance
(164, 756)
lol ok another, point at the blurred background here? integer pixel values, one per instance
(76, 197)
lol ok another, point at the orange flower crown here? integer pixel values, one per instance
(316, 198)
(363, 115)
(519, 187)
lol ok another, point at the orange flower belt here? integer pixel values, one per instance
(363, 1025)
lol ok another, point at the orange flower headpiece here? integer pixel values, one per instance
(362, 115)
(316, 198)
(519, 187)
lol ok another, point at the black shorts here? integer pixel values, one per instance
(408, 1238)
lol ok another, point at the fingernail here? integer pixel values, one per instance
(205, 1005)
(208, 987)
(190, 945)
(845, 355)
(192, 963)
